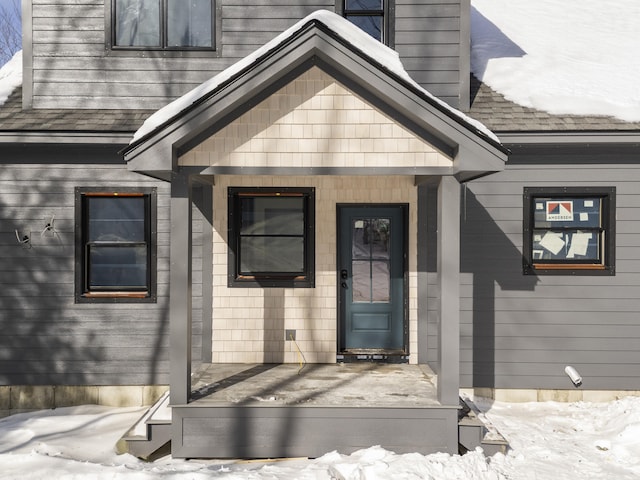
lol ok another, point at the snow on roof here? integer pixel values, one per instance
(359, 39)
(563, 57)
(10, 76)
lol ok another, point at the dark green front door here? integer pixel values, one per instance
(371, 277)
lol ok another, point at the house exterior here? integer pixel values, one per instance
(301, 191)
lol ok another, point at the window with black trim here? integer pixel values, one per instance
(271, 237)
(569, 230)
(163, 24)
(115, 244)
(372, 16)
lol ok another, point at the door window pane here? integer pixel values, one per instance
(370, 268)
(381, 278)
(361, 281)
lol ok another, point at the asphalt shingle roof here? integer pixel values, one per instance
(501, 115)
(489, 107)
(13, 118)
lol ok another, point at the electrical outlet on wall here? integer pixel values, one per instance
(290, 335)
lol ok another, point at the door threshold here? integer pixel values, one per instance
(372, 355)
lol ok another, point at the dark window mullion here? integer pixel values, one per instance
(164, 24)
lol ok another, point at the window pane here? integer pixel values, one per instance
(566, 245)
(567, 212)
(363, 5)
(271, 255)
(137, 23)
(272, 216)
(116, 219)
(117, 267)
(372, 24)
(189, 23)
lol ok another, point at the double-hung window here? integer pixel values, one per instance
(372, 16)
(163, 24)
(115, 244)
(569, 230)
(271, 237)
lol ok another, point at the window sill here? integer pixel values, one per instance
(568, 269)
(270, 282)
(116, 297)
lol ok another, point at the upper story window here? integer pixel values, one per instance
(163, 24)
(372, 16)
(115, 244)
(569, 230)
(271, 237)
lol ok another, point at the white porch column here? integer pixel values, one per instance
(180, 290)
(449, 283)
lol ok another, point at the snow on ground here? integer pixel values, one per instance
(559, 441)
(570, 56)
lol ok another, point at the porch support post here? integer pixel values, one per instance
(180, 290)
(423, 274)
(449, 283)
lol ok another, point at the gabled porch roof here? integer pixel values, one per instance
(349, 55)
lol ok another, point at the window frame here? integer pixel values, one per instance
(270, 279)
(606, 228)
(83, 294)
(160, 51)
(388, 18)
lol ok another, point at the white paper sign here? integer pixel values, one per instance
(579, 244)
(552, 242)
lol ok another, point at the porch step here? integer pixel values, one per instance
(150, 436)
(474, 432)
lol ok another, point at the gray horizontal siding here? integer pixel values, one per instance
(521, 331)
(428, 39)
(72, 69)
(46, 338)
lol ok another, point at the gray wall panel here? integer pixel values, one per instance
(72, 68)
(46, 338)
(521, 331)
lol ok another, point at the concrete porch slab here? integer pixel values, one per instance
(341, 384)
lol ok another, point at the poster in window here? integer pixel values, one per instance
(559, 210)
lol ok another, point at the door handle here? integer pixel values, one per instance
(344, 274)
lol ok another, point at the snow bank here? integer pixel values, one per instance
(564, 57)
(549, 440)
